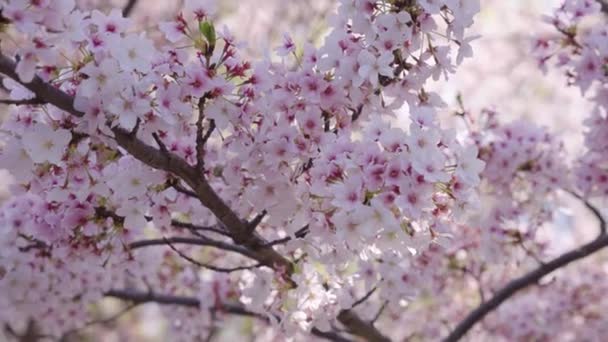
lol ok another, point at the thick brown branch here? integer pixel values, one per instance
(604, 4)
(33, 101)
(128, 9)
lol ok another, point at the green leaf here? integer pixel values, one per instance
(208, 31)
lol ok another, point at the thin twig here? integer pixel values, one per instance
(300, 233)
(253, 224)
(210, 130)
(140, 297)
(209, 266)
(160, 143)
(357, 113)
(364, 298)
(194, 228)
(596, 212)
(136, 127)
(198, 241)
(530, 252)
(183, 190)
(377, 315)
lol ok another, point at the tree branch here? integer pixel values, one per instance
(520, 283)
(128, 9)
(197, 241)
(533, 277)
(174, 183)
(364, 298)
(167, 162)
(255, 246)
(105, 213)
(138, 297)
(256, 221)
(210, 130)
(34, 101)
(300, 233)
(329, 335)
(208, 266)
(594, 210)
(604, 4)
(43, 91)
(377, 315)
(195, 229)
(359, 327)
(200, 139)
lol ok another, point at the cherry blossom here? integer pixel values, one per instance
(43, 144)
(318, 191)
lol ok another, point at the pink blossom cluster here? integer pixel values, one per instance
(292, 139)
(309, 190)
(581, 49)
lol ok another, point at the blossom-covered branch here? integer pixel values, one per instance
(149, 297)
(163, 161)
(322, 188)
(531, 278)
(257, 248)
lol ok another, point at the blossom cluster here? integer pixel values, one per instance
(581, 49)
(298, 140)
(295, 189)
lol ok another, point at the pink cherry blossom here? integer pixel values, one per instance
(324, 192)
(44, 144)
